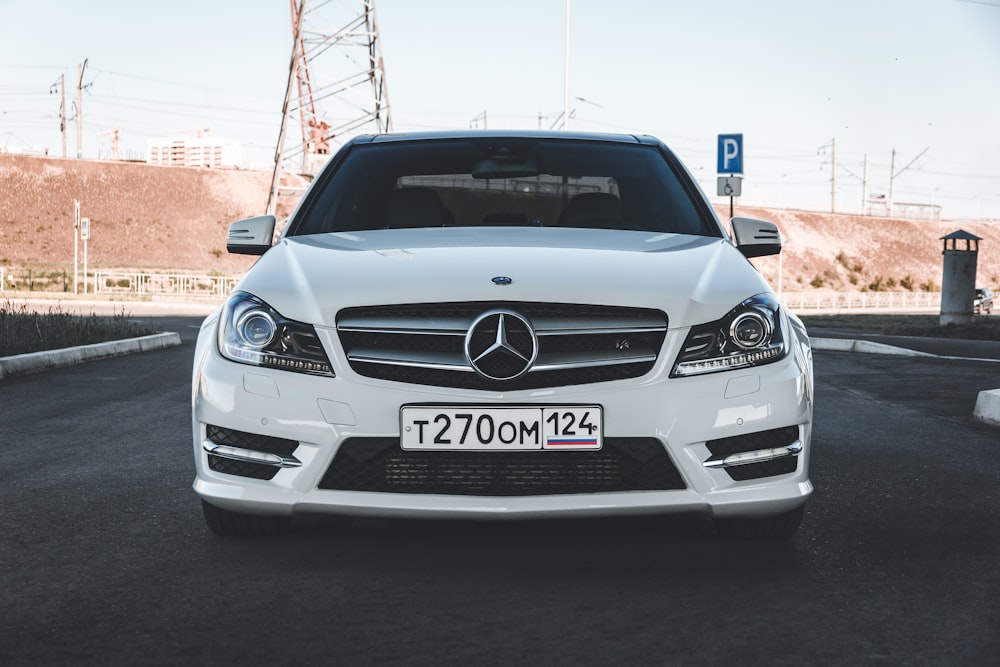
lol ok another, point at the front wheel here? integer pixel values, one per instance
(236, 524)
(777, 527)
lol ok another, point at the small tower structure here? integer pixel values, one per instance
(958, 282)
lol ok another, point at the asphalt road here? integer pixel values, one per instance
(105, 559)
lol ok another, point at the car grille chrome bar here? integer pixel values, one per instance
(458, 363)
(756, 456)
(250, 455)
(425, 343)
(411, 359)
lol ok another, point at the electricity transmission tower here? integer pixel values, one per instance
(336, 85)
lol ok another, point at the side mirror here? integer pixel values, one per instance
(251, 236)
(756, 238)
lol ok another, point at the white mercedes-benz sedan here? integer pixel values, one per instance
(503, 325)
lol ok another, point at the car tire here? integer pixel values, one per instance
(235, 524)
(777, 527)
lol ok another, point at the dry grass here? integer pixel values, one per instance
(23, 331)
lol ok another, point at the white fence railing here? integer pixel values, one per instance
(177, 284)
(186, 285)
(883, 301)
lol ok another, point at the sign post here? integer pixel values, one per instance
(76, 244)
(85, 235)
(730, 161)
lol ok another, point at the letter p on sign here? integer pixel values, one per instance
(730, 154)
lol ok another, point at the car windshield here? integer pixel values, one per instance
(504, 182)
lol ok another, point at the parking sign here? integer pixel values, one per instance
(730, 154)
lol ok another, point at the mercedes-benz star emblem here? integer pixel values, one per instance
(501, 345)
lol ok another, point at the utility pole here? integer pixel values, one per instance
(62, 111)
(833, 175)
(79, 108)
(61, 82)
(893, 175)
(892, 169)
(864, 185)
(833, 170)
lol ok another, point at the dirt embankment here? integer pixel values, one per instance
(837, 252)
(174, 219)
(141, 216)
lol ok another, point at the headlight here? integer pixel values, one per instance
(749, 335)
(251, 332)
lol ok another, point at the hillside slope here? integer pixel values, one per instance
(853, 253)
(170, 218)
(142, 216)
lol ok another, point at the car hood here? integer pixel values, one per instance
(693, 279)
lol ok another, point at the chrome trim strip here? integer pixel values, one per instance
(403, 332)
(445, 363)
(250, 455)
(598, 324)
(586, 331)
(556, 365)
(442, 362)
(444, 325)
(755, 456)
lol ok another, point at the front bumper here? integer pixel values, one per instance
(689, 417)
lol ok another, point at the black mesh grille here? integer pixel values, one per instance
(624, 464)
(241, 468)
(560, 378)
(603, 339)
(260, 443)
(764, 469)
(243, 440)
(778, 437)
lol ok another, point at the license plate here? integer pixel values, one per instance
(476, 428)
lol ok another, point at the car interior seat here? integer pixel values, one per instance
(415, 207)
(594, 210)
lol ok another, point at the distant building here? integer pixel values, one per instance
(195, 152)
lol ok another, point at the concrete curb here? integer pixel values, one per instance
(987, 408)
(866, 346)
(35, 362)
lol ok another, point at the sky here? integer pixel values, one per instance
(818, 89)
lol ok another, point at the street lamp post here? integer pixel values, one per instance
(565, 124)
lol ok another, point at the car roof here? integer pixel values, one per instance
(507, 134)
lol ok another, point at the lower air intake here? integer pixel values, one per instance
(624, 464)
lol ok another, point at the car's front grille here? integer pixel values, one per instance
(774, 438)
(380, 465)
(576, 344)
(251, 441)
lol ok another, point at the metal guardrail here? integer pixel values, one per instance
(175, 284)
(879, 301)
